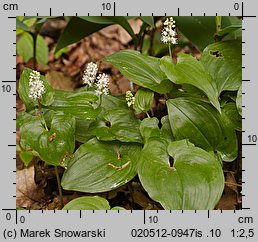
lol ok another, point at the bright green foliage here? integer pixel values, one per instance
(89, 203)
(190, 71)
(25, 46)
(198, 121)
(223, 61)
(41, 51)
(178, 151)
(141, 70)
(26, 157)
(80, 103)
(119, 125)
(194, 181)
(143, 100)
(55, 144)
(101, 166)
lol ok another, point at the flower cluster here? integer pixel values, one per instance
(130, 99)
(90, 73)
(101, 81)
(37, 88)
(102, 84)
(168, 33)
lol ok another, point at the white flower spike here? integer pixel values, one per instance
(168, 33)
(37, 88)
(102, 84)
(130, 99)
(90, 73)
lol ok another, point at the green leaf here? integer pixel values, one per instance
(80, 27)
(121, 20)
(190, 71)
(148, 20)
(198, 121)
(26, 157)
(165, 131)
(117, 124)
(229, 29)
(57, 144)
(25, 46)
(76, 30)
(230, 110)
(141, 70)
(100, 167)
(79, 103)
(87, 203)
(194, 182)
(223, 61)
(24, 88)
(21, 25)
(143, 100)
(31, 127)
(199, 30)
(82, 132)
(118, 208)
(41, 51)
(149, 128)
(239, 100)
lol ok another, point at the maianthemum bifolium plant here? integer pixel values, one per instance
(178, 157)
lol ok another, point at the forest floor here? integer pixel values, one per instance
(36, 185)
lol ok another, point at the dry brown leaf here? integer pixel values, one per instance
(27, 192)
(59, 80)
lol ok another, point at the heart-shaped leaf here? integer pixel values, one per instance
(87, 203)
(31, 127)
(80, 103)
(23, 90)
(101, 167)
(141, 70)
(143, 100)
(194, 181)
(190, 71)
(117, 124)
(198, 121)
(57, 144)
(223, 61)
(53, 145)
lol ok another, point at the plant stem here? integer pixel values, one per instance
(147, 114)
(170, 52)
(34, 36)
(41, 115)
(218, 24)
(59, 188)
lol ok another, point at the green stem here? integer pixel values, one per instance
(170, 52)
(147, 114)
(41, 115)
(34, 36)
(59, 188)
(218, 24)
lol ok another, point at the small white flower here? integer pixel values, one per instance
(168, 33)
(130, 99)
(90, 73)
(37, 88)
(102, 84)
